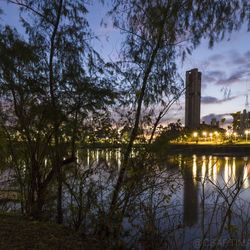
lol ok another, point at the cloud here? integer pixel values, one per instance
(237, 59)
(207, 118)
(208, 99)
(209, 77)
(216, 57)
(247, 67)
(238, 64)
(247, 55)
(213, 100)
(235, 77)
(215, 73)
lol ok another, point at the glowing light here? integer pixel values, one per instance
(245, 176)
(234, 170)
(88, 157)
(203, 167)
(194, 167)
(246, 133)
(210, 164)
(211, 136)
(226, 171)
(215, 172)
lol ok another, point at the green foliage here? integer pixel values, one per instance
(163, 31)
(156, 35)
(50, 82)
(172, 132)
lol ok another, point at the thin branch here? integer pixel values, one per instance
(22, 4)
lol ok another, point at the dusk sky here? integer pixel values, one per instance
(225, 68)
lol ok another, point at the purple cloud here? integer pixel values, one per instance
(207, 118)
(213, 100)
(235, 77)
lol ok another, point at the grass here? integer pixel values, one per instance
(18, 232)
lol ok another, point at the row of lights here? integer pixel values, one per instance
(204, 133)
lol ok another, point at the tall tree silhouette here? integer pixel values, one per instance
(49, 82)
(156, 34)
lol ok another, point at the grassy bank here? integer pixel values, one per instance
(18, 232)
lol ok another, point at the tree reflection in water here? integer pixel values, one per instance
(167, 202)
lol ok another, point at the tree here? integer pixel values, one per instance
(49, 82)
(171, 132)
(165, 108)
(156, 33)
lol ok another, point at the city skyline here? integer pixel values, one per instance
(225, 77)
(193, 99)
(225, 68)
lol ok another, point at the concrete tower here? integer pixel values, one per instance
(193, 99)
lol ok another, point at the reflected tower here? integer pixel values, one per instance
(193, 99)
(190, 196)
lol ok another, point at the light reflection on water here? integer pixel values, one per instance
(215, 172)
(86, 158)
(194, 171)
(217, 169)
(221, 169)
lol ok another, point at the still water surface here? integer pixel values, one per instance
(181, 202)
(207, 189)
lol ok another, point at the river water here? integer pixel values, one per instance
(190, 201)
(169, 201)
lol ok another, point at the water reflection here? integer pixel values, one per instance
(190, 195)
(213, 172)
(227, 169)
(196, 171)
(88, 157)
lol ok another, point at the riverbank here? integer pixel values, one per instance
(18, 232)
(204, 149)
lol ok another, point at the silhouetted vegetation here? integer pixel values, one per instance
(58, 95)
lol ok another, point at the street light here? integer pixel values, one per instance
(216, 135)
(195, 135)
(246, 133)
(204, 133)
(211, 136)
(235, 135)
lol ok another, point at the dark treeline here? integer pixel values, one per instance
(57, 92)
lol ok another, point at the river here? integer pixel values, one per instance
(166, 202)
(185, 201)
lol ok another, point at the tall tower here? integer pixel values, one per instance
(193, 99)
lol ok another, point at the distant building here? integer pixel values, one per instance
(193, 99)
(241, 121)
(236, 121)
(244, 120)
(214, 123)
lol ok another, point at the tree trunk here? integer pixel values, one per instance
(59, 197)
(57, 165)
(136, 125)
